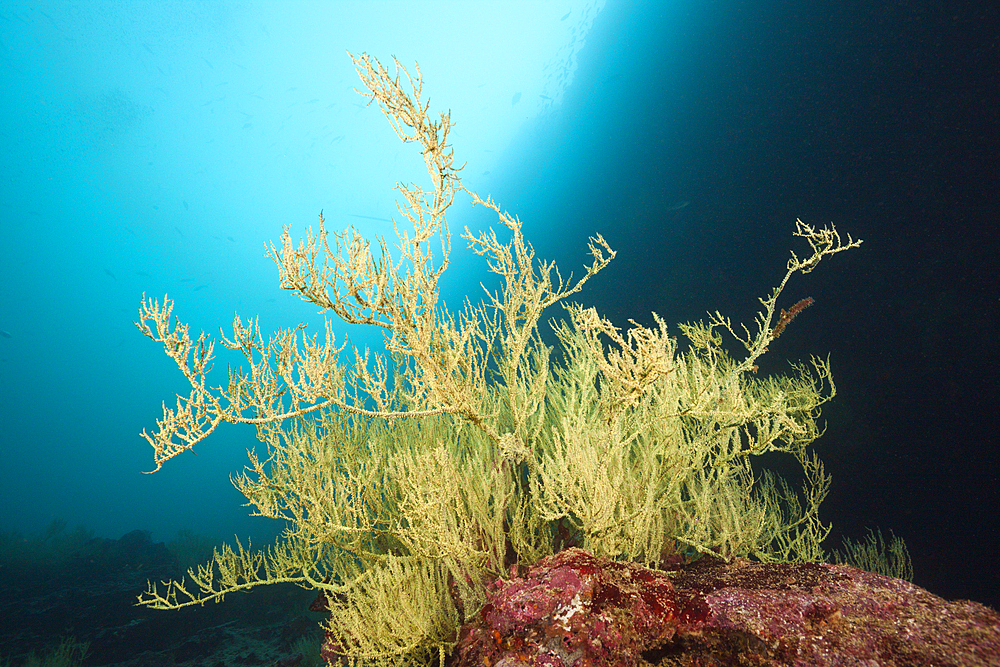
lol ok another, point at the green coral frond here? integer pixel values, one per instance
(797, 534)
(230, 571)
(874, 555)
(402, 614)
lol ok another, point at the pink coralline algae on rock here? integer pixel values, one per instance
(575, 610)
(571, 609)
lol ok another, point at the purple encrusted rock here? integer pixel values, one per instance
(576, 610)
(571, 609)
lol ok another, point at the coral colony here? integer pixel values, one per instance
(478, 496)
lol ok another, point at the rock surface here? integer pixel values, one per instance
(573, 609)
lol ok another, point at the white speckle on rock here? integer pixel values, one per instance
(563, 614)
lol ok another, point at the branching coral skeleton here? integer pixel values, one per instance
(408, 480)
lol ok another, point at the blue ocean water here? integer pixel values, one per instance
(156, 147)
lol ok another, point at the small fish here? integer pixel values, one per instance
(51, 20)
(107, 271)
(678, 206)
(514, 100)
(5, 334)
(186, 207)
(369, 217)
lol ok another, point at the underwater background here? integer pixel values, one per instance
(154, 147)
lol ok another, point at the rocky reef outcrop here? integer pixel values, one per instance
(573, 609)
